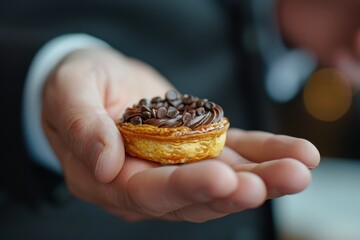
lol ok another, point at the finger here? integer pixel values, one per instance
(261, 146)
(250, 193)
(281, 177)
(85, 126)
(95, 140)
(232, 158)
(165, 189)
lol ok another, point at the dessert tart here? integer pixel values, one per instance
(175, 129)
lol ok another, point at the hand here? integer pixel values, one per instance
(253, 167)
(348, 62)
(322, 27)
(83, 96)
(90, 88)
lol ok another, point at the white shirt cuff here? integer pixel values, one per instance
(44, 62)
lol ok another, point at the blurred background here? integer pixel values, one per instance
(303, 60)
(314, 88)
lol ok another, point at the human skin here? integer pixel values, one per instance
(330, 29)
(91, 88)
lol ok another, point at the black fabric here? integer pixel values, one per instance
(79, 220)
(20, 177)
(195, 44)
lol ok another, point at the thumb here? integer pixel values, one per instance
(93, 137)
(74, 100)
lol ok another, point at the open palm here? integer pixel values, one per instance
(89, 90)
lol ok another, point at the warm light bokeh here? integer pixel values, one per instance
(327, 94)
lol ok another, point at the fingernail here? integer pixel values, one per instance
(95, 156)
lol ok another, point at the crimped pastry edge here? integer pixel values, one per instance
(174, 145)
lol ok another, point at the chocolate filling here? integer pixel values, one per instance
(174, 110)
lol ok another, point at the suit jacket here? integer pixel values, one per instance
(195, 44)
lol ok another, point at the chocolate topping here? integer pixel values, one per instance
(174, 111)
(144, 102)
(171, 95)
(161, 112)
(136, 120)
(186, 118)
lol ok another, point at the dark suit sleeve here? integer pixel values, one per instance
(20, 177)
(25, 26)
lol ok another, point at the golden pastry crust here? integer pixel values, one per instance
(174, 145)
